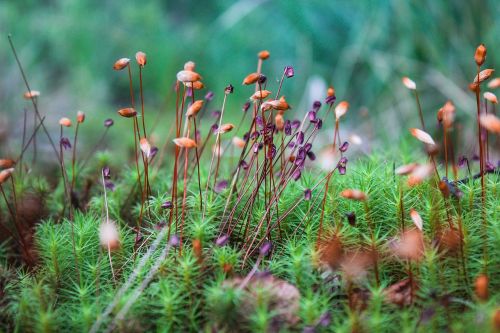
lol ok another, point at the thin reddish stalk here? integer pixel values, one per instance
(136, 133)
(250, 247)
(184, 196)
(401, 207)
(487, 150)
(73, 159)
(335, 134)
(68, 200)
(373, 245)
(144, 158)
(445, 138)
(177, 157)
(34, 139)
(174, 179)
(217, 142)
(481, 165)
(198, 167)
(184, 193)
(459, 220)
(24, 140)
(142, 103)
(64, 177)
(323, 202)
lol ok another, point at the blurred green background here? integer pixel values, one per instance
(361, 47)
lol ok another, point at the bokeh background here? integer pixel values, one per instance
(361, 47)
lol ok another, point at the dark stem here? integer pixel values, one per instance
(24, 141)
(445, 138)
(139, 221)
(73, 159)
(144, 159)
(481, 166)
(323, 202)
(32, 137)
(142, 103)
(198, 166)
(373, 245)
(33, 100)
(184, 196)
(63, 173)
(174, 179)
(486, 133)
(401, 207)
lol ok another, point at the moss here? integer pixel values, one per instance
(188, 294)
